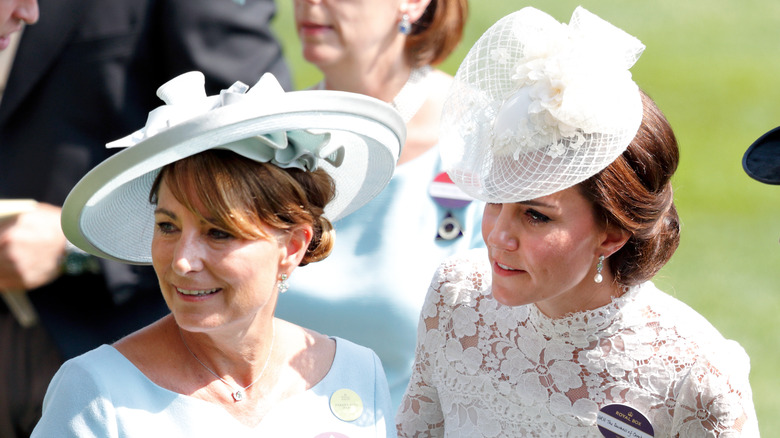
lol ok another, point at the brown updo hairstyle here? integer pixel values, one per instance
(437, 33)
(635, 193)
(240, 195)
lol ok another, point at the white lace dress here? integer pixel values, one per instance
(484, 369)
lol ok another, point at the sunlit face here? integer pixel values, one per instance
(544, 251)
(208, 277)
(338, 31)
(13, 14)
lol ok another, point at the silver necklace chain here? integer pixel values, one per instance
(238, 392)
(412, 95)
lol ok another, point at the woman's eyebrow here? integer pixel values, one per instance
(535, 203)
(166, 212)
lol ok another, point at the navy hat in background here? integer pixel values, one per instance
(762, 159)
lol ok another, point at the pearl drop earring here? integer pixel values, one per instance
(598, 278)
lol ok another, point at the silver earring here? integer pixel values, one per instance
(405, 26)
(282, 285)
(598, 278)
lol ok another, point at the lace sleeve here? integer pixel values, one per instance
(715, 398)
(420, 413)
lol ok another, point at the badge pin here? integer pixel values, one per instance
(621, 421)
(346, 405)
(449, 228)
(449, 196)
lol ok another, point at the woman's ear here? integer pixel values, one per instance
(294, 244)
(613, 239)
(415, 8)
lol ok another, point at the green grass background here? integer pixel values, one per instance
(714, 69)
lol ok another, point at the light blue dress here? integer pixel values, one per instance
(102, 394)
(371, 288)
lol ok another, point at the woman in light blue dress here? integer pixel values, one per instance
(226, 196)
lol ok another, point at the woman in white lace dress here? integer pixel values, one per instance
(557, 330)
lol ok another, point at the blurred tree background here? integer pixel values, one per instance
(714, 69)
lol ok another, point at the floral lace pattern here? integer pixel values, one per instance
(484, 369)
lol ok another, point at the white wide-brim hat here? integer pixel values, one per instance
(355, 138)
(538, 106)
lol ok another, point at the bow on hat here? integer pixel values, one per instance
(185, 98)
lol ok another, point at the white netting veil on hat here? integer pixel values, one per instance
(538, 106)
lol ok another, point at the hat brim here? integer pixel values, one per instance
(761, 161)
(108, 213)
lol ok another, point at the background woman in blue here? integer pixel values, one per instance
(371, 288)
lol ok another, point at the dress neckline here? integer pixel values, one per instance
(337, 359)
(582, 327)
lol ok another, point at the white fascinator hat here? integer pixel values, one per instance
(538, 106)
(355, 138)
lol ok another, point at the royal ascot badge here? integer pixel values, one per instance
(621, 421)
(346, 405)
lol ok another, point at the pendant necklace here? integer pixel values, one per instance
(238, 392)
(412, 95)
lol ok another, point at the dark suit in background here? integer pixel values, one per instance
(86, 74)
